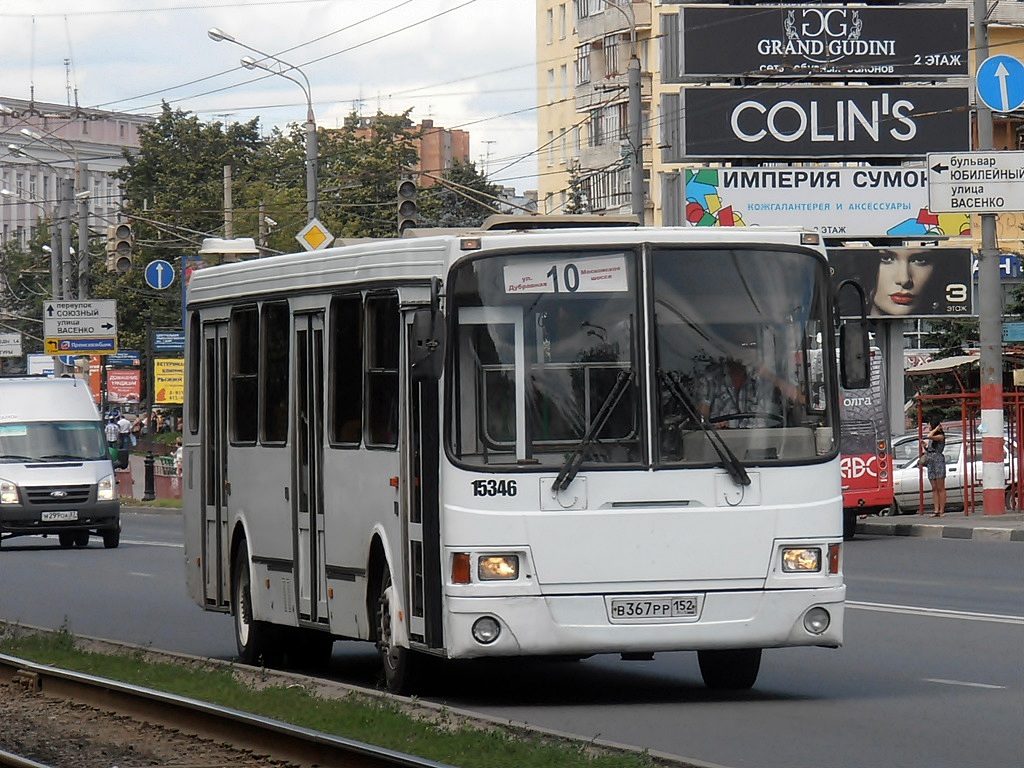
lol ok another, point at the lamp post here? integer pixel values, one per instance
(53, 248)
(64, 200)
(634, 116)
(281, 70)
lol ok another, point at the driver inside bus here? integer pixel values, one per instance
(736, 395)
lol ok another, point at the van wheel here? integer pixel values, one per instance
(731, 670)
(112, 538)
(82, 539)
(254, 640)
(66, 540)
(399, 663)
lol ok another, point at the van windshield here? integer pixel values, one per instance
(43, 441)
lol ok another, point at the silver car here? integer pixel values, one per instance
(963, 469)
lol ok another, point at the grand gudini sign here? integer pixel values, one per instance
(815, 41)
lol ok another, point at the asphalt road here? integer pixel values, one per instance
(930, 675)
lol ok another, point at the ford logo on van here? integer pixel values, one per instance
(58, 494)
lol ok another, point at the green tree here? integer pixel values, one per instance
(24, 286)
(576, 203)
(360, 165)
(951, 337)
(462, 198)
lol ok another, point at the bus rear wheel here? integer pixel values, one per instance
(254, 640)
(399, 663)
(730, 670)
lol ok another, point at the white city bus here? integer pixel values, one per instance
(490, 444)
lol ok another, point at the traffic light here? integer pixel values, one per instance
(120, 244)
(408, 210)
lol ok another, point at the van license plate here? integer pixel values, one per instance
(58, 515)
(649, 608)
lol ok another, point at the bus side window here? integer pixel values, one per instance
(346, 397)
(382, 338)
(245, 345)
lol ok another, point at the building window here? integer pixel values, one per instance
(583, 64)
(611, 56)
(32, 188)
(562, 22)
(551, 26)
(563, 147)
(563, 73)
(551, 86)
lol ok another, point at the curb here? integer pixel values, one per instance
(932, 531)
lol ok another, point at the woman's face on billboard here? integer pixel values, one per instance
(902, 277)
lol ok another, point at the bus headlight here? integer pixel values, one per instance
(106, 489)
(498, 567)
(801, 560)
(8, 492)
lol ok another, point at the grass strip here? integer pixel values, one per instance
(432, 734)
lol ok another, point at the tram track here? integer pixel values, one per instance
(251, 736)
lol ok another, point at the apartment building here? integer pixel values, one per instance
(45, 143)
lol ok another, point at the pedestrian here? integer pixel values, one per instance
(112, 433)
(178, 450)
(124, 438)
(935, 462)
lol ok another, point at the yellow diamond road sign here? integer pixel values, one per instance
(314, 236)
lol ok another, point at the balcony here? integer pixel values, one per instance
(610, 21)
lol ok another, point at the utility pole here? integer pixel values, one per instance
(634, 115)
(68, 193)
(84, 262)
(990, 312)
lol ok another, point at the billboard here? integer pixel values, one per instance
(838, 202)
(833, 122)
(124, 385)
(168, 381)
(904, 282)
(815, 41)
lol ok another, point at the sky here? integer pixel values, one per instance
(466, 64)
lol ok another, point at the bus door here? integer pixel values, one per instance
(307, 463)
(214, 409)
(421, 500)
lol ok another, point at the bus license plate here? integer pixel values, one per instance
(648, 608)
(58, 515)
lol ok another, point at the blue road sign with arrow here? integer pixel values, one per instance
(159, 274)
(1001, 83)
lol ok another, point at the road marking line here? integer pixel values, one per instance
(138, 573)
(964, 684)
(153, 543)
(937, 612)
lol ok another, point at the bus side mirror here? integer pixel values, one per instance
(426, 347)
(854, 355)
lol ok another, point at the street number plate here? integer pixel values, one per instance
(643, 609)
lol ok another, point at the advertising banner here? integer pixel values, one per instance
(820, 121)
(10, 345)
(124, 385)
(839, 202)
(818, 41)
(904, 282)
(168, 381)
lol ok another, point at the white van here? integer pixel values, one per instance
(56, 476)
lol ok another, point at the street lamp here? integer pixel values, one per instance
(281, 70)
(53, 249)
(64, 199)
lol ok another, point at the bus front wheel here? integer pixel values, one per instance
(253, 639)
(730, 670)
(398, 662)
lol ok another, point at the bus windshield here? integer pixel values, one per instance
(549, 358)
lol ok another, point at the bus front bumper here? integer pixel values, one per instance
(581, 624)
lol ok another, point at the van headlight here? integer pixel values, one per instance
(8, 492)
(106, 489)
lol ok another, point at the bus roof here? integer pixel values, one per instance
(430, 254)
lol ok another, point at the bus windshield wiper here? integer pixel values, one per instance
(729, 459)
(571, 467)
